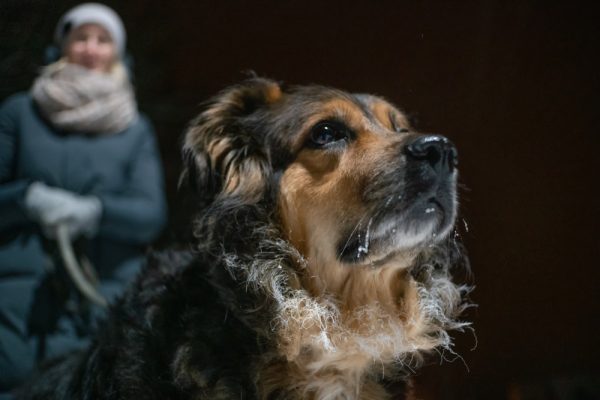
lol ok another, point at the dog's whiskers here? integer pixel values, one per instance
(356, 227)
(364, 248)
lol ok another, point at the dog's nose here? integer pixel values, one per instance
(437, 150)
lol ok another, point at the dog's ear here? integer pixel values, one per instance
(223, 155)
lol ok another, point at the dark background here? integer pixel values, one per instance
(515, 84)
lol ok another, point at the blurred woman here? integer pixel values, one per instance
(76, 156)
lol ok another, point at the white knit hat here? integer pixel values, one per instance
(92, 13)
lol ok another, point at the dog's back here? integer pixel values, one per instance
(171, 331)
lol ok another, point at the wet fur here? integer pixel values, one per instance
(254, 311)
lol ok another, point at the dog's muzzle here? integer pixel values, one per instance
(413, 202)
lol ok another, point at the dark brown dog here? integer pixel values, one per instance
(321, 262)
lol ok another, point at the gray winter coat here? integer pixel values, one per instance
(41, 314)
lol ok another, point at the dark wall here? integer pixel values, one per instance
(514, 84)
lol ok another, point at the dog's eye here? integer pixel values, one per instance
(327, 132)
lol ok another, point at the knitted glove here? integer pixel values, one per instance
(50, 206)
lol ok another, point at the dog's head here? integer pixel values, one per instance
(331, 208)
(348, 179)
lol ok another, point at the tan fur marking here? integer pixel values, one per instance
(384, 112)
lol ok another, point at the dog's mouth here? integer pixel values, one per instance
(400, 224)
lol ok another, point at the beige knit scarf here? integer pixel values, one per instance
(76, 99)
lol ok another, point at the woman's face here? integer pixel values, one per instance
(91, 46)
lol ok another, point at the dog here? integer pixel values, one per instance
(321, 266)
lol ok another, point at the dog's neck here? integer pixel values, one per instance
(356, 286)
(357, 322)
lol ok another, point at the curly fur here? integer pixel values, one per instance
(347, 349)
(254, 311)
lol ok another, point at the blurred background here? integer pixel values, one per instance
(516, 86)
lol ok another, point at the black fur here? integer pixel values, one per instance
(174, 305)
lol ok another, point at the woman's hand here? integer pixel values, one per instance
(51, 207)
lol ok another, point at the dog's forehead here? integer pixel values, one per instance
(319, 95)
(304, 106)
(308, 102)
(383, 110)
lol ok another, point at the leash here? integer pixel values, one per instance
(78, 271)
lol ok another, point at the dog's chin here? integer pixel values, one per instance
(422, 225)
